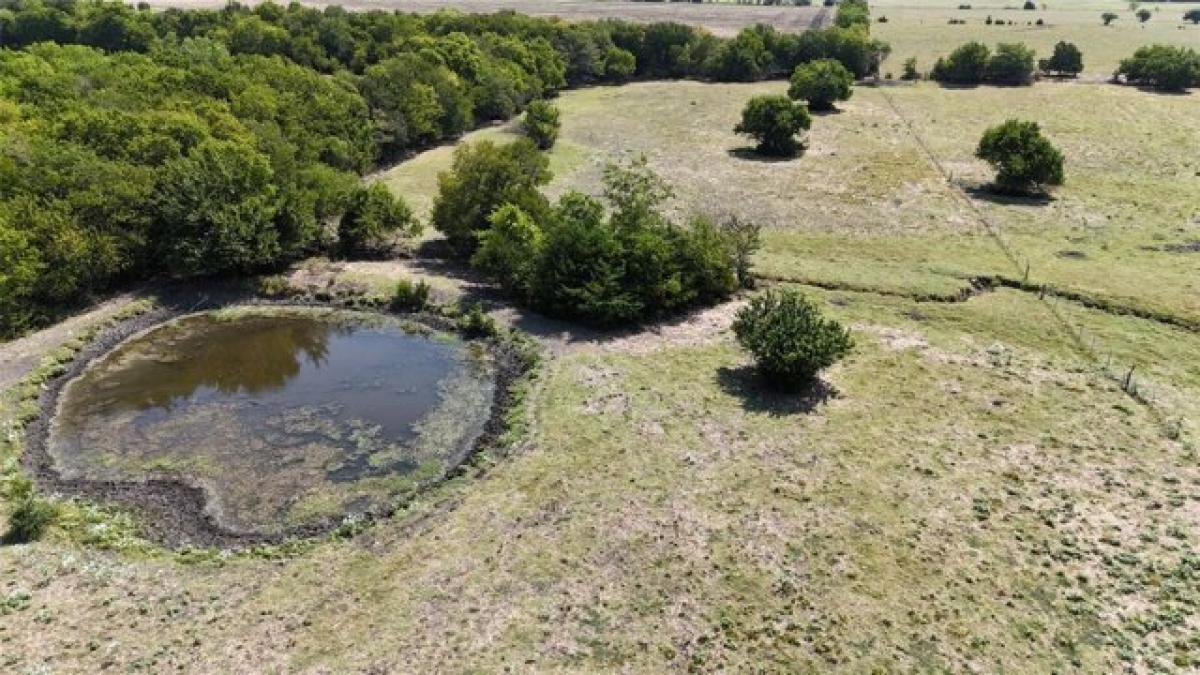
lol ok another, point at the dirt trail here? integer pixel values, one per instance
(19, 356)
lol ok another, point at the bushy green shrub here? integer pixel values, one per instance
(965, 65)
(475, 323)
(28, 516)
(541, 124)
(910, 70)
(1024, 159)
(790, 340)
(409, 296)
(1162, 67)
(619, 64)
(485, 176)
(509, 250)
(773, 122)
(1011, 64)
(373, 215)
(821, 83)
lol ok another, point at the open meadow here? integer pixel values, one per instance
(1002, 476)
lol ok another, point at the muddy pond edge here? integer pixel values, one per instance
(170, 512)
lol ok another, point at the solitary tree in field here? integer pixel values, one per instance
(1108, 17)
(774, 121)
(1067, 60)
(790, 339)
(1192, 15)
(1024, 160)
(1143, 15)
(821, 82)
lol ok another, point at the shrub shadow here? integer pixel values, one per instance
(759, 396)
(751, 154)
(990, 192)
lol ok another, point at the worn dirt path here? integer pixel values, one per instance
(19, 356)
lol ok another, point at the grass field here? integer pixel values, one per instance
(922, 29)
(972, 490)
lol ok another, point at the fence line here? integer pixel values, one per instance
(1084, 342)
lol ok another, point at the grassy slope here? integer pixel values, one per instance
(977, 495)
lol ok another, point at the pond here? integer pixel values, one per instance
(284, 417)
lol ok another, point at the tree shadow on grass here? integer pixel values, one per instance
(757, 395)
(751, 154)
(990, 192)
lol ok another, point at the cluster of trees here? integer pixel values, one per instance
(973, 63)
(775, 121)
(136, 143)
(576, 259)
(1162, 67)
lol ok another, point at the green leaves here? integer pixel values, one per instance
(790, 340)
(821, 82)
(774, 121)
(1023, 158)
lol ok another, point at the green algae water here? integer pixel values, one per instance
(283, 417)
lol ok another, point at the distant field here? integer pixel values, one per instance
(921, 29)
(865, 206)
(723, 19)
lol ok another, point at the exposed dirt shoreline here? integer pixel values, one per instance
(172, 511)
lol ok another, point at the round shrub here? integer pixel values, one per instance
(29, 516)
(774, 121)
(1024, 160)
(790, 340)
(821, 82)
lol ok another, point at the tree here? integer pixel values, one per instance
(509, 250)
(214, 210)
(1029, 5)
(373, 214)
(541, 123)
(1067, 60)
(1012, 64)
(619, 64)
(966, 65)
(774, 121)
(1144, 15)
(483, 177)
(1108, 18)
(790, 340)
(745, 58)
(1024, 160)
(1162, 67)
(1192, 15)
(910, 70)
(821, 82)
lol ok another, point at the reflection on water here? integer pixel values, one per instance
(383, 376)
(271, 409)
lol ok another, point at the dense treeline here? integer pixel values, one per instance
(137, 143)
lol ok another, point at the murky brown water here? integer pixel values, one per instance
(283, 417)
